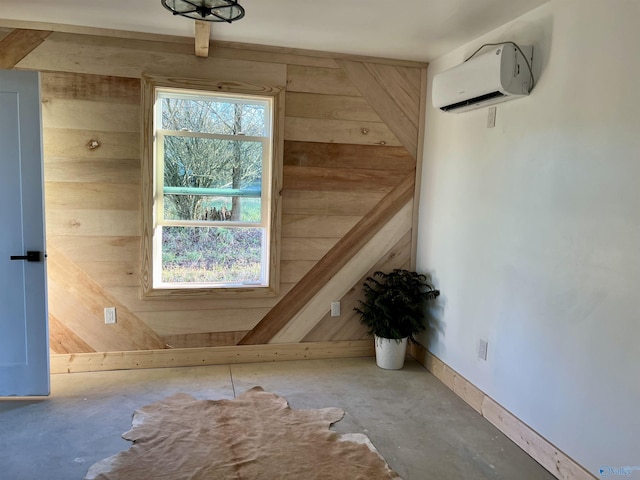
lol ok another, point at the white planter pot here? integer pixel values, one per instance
(390, 353)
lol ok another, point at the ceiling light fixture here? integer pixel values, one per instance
(207, 10)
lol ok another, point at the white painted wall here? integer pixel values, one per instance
(532, 232)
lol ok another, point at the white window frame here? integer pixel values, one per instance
(154, 87)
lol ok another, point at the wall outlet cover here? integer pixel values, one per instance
(110, 315)
(483, 346)
(491, 117)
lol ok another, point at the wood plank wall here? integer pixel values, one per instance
(351, 137)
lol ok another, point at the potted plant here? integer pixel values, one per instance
(393, 309)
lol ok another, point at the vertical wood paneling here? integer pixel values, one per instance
(351, 136)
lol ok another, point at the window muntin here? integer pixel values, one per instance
(212, 189)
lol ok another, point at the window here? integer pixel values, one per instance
(212, 209)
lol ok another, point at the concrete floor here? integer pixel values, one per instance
(423, 430)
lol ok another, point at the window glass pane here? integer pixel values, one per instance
(210, 151)
(215, 115)
(211, 254)
(212, 208)
(201, 174)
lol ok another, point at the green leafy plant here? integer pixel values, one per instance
(394, 303)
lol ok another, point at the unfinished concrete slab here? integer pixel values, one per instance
(423, 430)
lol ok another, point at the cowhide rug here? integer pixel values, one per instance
(256, 436)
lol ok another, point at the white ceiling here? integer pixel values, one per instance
(406, 29)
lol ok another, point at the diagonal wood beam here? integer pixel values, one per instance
(331, 263)
(78, 301)
(202, 35)
(381, 98)
(348, 276)
(18, 44)
(64, 340)
(350, 328)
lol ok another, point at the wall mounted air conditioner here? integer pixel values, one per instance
(496, 75)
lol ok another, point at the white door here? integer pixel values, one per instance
(24, 336)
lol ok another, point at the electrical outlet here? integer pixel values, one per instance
(491, 117)
(110, 315)
(335, 309)
(483, 346)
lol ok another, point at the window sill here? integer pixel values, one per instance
(211, 293)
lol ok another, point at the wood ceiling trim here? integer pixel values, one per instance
(274, 50)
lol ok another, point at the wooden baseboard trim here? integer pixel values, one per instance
(540, 449)
(189, 357)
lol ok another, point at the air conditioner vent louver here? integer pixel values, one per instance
(501, 73)
(472, 101)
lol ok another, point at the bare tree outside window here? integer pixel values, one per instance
(210, 163)
(213, 151)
